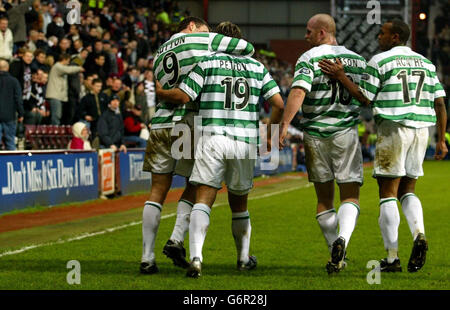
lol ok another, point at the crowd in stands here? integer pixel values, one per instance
(71, 73)
(98, 73)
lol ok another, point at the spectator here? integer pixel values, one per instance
(10, 103)
(21, 70)
(92, 106)
(38, 62)
(34, 108)
(80, 139)
(133, 125)
(56, 27)
(110, 127)
(6, 39)
(62, 48)
(34, 17)
(131, 78)
(46, 9)
(57, 89)
(17, 22)
(122, 92)
(32, 40)
(98, 67)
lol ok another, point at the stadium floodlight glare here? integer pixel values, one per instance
(422, 16)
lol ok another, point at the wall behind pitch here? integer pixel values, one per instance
(262, 21)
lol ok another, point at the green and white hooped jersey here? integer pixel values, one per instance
(402, 86)
(328, 107)
(229, 88)
(176, 58)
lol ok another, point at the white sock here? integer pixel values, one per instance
(347, 215)
(412, 208)
(328, 224)
(197, 229)
(184, 209)
(389, 221)
(241, 229)
(151, 217)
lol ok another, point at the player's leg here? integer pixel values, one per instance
(391, 148)
(412, 209)
(347, 216)
(161, 164)
(239, 179)
(389, 221)
(347, 166)
(151, 217)
(174, 247)
(411, 205)
(326, 214)
(198, 227)
(321, 174)
(207, 176)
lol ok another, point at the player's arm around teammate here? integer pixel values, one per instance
(331, 141)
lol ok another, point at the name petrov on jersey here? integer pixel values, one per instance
(172, 44)
(408, 62)
(230, 65)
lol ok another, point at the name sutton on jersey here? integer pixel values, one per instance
(171, 44)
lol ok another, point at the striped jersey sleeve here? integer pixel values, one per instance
(328, 107)
(370, 81)
(228, 90)
(402, 86)
(304, 73)
(177, 57)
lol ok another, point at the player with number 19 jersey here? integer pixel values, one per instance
(229, 89)
(327, 108)
(173, 61)
(402, 86)
(177, 57)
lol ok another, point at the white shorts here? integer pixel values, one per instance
(399, 150)
(158, 155)
(336, 157)
(220, 158)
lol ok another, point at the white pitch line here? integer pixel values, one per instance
(112, 229)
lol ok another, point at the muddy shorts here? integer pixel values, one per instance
(161, 158)
(399, 150)
(336, 157)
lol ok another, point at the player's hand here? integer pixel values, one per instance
(441, 150)
(333, 70)
(283, 134)
(113, 147)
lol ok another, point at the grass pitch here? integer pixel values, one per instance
(286, 239)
